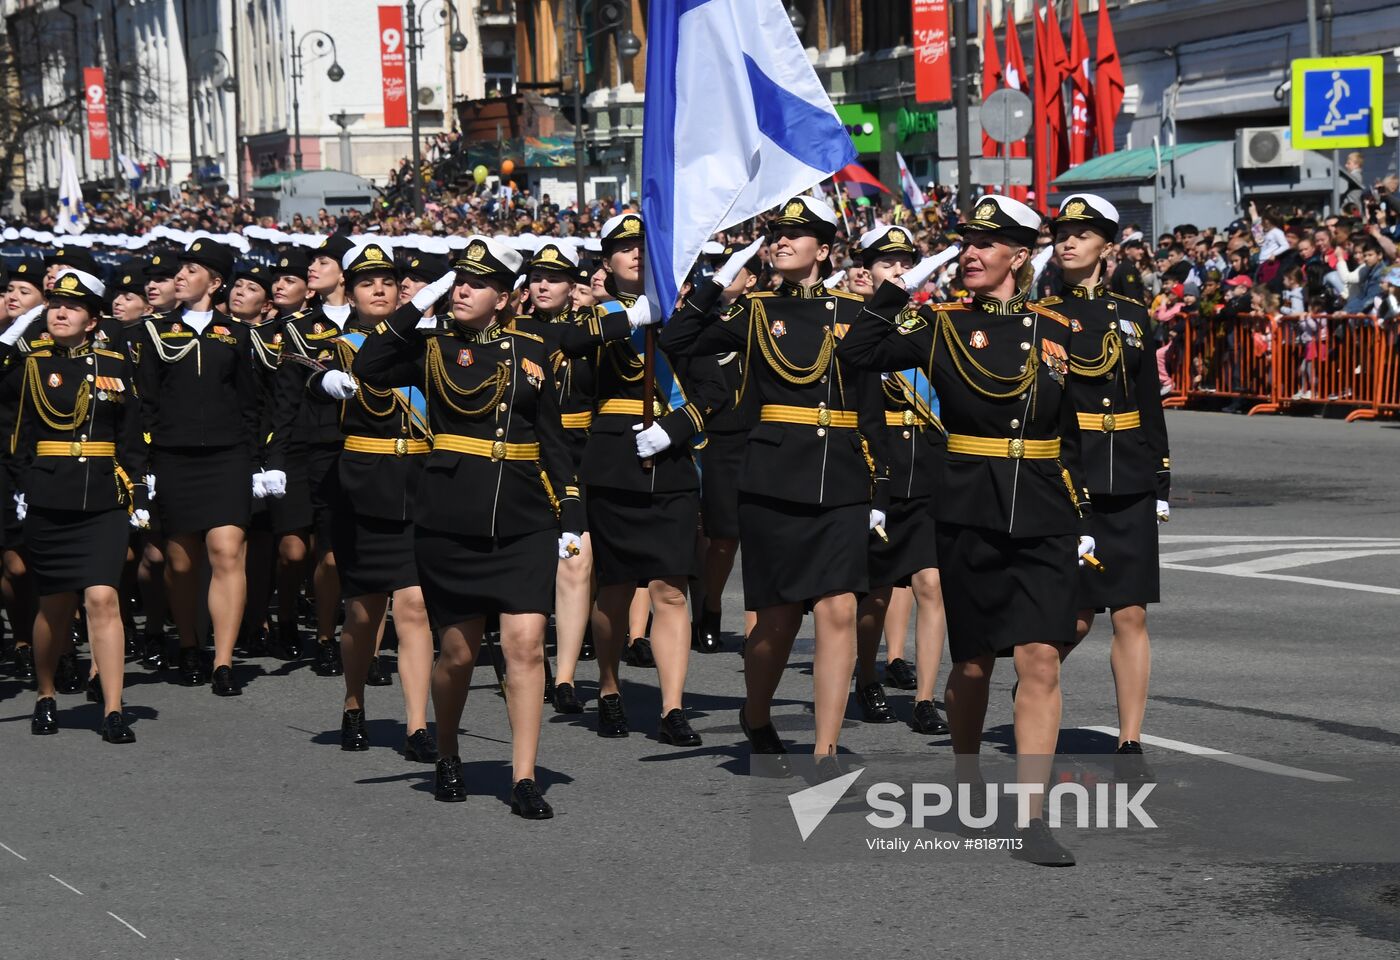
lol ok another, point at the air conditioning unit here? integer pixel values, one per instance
(1258, 148)
(431, 98)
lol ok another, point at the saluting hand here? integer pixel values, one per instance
(433, 292)
(339, 385)
(651, 441)
(916, 276)
(726, 274)
(20, 324)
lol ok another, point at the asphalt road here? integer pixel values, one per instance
(238, 829)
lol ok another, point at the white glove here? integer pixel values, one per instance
(651, 441)
(1164, 511)
(569, 545)
(877, 519)
(21, 508)
(725, 275)
(20, 324)
(433, 292)
(259, 488)
(141, 519)
(338, 385)
(1086, 545)
(916, 276)
(1039, 261)
(275, 483)
(150, 486)
(641, 315)
(834, 281)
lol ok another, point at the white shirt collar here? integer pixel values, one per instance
(337, 315)
(199, 319)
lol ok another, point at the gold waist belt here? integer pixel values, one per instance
(401, 447)
(1109, 422)
(58, 448)
(1014, 449)
(904, 418)
(584, 420)
(808, 416)
(495, 449)
(629, 408)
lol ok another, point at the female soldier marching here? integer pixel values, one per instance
(495, 426)
(1125, 455)
(79, 429)
(812, 487)
(386, 443)
(1011, 498)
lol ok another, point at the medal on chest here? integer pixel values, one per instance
(778, 328)
(55, 380)
(1132, 336)
(978, 340)
(464, 358)
(1056, 360)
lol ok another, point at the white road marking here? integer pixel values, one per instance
(127, 925)
(1235, 759)
(1238, 549)
(1286, 578)
(21, 856)
(1303, 558)
(68, 885)
(1211, 538)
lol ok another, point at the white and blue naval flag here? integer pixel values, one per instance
(735, 123)
(72, 212)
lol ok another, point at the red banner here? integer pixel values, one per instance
(933, 77)
(95, 96)
(391, 65)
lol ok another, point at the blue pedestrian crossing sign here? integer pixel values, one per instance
(1338, 103)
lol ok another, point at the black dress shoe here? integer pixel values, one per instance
(45, 720)
(380, 674)
(288, 646)
(115, 729)
(707, 637)
(328, 662)
(638, 653)
(353, 737)
(224, 685)
(676, 730)
(824, 769)
(900, 675)
(448, 786)
(565, 699)
(191, 667)
(94, 689)
(254, 641)
(525, 801)
(24, 662)
(153, 651)
(1040, 847)
(1129, 765)
(588, 652)
(765, 740)
(612, 718)
(419, 747)
(131, 649)
(67, 678)
(926, 719)
(873, 706)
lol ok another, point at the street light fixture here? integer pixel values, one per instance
(614, 16)
(335, 74)
(458, 42)
(230, 83)
(795, 17)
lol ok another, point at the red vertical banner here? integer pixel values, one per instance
(95, 96)
(391, 65)
(933, 75)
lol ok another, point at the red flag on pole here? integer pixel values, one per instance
(991, 74)
(1014, 72)
(1081, 138)
(1108, 83)
(1055, 91)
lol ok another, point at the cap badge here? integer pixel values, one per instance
(283, 263)
(373, 253)
(476, 251)
(196, 245)
(1075, 208)
(794, 209)
(69, 282)
(986, 211)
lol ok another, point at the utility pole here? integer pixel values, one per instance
(415, 44)
(960, 104)
(573, 32)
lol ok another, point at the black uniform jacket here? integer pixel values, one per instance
(786, 340)
(489, 390)
(197, 389)
(976, 356)
(67, 397)
(266, 339)
(1113, 382)
(914, 439)
(377, 484)
(574, 387)
(604, 343)
(303, 418)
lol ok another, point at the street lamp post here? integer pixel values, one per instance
(458, 42)
(334, 74)
(614, 16)
(229, 84)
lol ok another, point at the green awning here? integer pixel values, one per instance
(1137, 164)
(272, 181)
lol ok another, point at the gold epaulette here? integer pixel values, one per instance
(1127, 299)
(761, 293)
(108, 353)
(950, 305)
(516, 331)
(847, 295)
(1049, 301)
(41, 353)
(1044, 311)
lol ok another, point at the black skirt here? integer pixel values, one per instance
(720, 463)
(911, 547)
(71, 550)
(200, 488)
(1000, 592)
(465, 578)
(373, 555)
(1125, 541)
(639, 537)
(798, 553)
(322, 489)
(291, 512)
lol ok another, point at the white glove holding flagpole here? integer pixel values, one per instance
(726, 274)
(21, 323)
(640, 314)
(918, 275)
(651, 441)
(433, 292)
(338, 385)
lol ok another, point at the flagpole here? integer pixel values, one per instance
(649, 380)
(845, 199)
